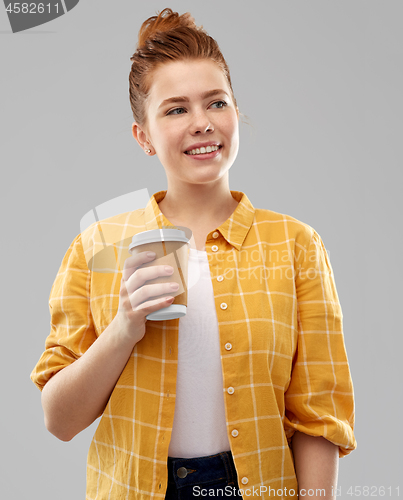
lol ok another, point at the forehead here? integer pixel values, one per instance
(185, 78)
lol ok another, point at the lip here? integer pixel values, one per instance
(202, 145)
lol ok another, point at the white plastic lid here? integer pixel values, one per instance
(173, 311)
(155, 235)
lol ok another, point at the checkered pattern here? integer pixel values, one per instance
(287, 370)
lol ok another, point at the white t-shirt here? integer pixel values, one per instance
(199, 427)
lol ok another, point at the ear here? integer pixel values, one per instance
(141, 137)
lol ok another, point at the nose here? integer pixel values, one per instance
(201, 123)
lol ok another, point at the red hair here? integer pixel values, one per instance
(165, 38)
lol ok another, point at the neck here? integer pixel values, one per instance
(197, 203)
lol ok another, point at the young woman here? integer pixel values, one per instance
(250, 393)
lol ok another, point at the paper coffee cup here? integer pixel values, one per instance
(172, 249)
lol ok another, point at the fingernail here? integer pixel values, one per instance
(151, 254)
(169, 269)
(174, 286)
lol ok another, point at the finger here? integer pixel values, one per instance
(145, 307)
(144, 274)
(151, 292)
(154, 305)
(134, 262)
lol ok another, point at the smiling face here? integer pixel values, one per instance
(190, 107)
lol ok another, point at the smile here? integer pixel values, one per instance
(201, 151)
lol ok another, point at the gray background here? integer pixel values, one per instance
(319, 81)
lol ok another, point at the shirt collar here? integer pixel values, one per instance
(234, 229)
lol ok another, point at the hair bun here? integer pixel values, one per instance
(164, 21)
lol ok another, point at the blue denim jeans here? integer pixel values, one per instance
(212, 476)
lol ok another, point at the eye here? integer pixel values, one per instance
(172, 112)
(220, 102)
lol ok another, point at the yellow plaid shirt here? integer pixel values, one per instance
(287, 369)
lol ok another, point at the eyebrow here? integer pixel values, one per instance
(204, 95)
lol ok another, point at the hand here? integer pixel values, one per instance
(134, 295)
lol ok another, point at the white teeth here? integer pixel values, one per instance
(197, 151)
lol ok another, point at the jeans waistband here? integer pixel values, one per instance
(202, 470)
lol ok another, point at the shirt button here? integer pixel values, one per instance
(244, 480)
(215, 234)
(214, 248)
(228, 346)
(234, 433)
(220, 278)
(230, 390)
(182, 472)
(223, 305)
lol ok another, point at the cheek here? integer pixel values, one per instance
(170, 134)
(161, 141)
(230, 125)
(234, 133)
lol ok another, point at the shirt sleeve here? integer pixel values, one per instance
(72, 330)
(319, 400)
